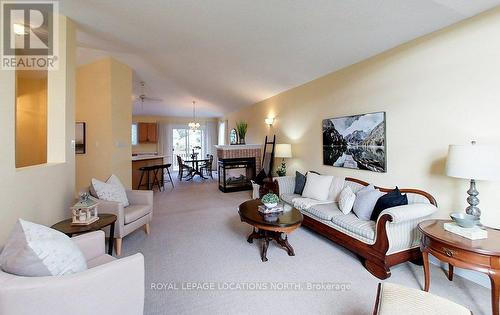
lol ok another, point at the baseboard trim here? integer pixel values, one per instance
(474, 276)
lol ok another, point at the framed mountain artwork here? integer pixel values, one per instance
(356, 142)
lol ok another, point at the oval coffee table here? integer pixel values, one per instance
(287, 222)
(105, 219)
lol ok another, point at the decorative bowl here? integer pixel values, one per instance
(464, 220)
(270, 200)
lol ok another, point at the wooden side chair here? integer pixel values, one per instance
(207, 168)
(183, 166)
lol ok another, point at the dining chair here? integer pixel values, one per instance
(183, 166)
(207, 167)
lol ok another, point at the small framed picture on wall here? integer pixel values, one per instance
(80, 133)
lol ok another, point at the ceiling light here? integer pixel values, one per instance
(20, 29)
(194, 125)
(269, 121)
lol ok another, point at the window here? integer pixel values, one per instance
(186, 141)
(134, 134)
(31, 117)
(222, 133)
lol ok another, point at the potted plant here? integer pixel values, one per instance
(241, 128)
(270, 200)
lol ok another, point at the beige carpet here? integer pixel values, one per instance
(198, 262)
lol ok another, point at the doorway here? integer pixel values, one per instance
(186, 141)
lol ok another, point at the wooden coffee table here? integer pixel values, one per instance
(105, 219)
(277, 230)
(480, 255)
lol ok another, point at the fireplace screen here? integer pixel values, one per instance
(236, 174)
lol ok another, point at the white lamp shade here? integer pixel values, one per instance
(473, 161)
(283, 151)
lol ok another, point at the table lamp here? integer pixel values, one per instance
(283, 151)
(473, 162)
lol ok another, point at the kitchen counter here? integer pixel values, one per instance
(139, 161)
(146, 157)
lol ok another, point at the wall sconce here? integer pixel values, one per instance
(269, 121)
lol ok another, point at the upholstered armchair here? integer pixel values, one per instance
(138, 214)
(393, 299)
(108, 286)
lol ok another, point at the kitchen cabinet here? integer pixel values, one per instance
(147, 132)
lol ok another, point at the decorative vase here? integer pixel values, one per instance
(242, 141)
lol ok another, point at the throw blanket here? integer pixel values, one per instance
(306, 203)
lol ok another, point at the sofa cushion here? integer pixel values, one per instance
(317, 186)
(352, 223)
(300, 183)
(393, 198)
(365, 201)
(132, 213)
(34, 250)
(324, 211)
(111, 190)
(346, 200)
(336, 187)
(100, 260)
(288, 198)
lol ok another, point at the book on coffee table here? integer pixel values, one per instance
(473, 233)
(277, 209)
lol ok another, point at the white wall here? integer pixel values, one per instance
(438, 90)
(41, 193)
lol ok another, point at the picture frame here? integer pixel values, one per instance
(80, 138)
(356, 142)
(233, 137)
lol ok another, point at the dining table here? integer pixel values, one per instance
(196, 163)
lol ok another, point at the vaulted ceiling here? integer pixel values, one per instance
(226, 54)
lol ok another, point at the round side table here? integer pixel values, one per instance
(105, 219)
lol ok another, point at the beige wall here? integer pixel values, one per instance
(153, 147)
(31, 119)
(438, 90)
(103, 102)
(40, 193)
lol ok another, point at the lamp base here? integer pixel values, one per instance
(473, 200)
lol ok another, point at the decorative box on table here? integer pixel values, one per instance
(84, 211)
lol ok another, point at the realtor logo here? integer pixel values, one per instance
(29, 35)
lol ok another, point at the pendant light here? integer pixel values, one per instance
(194, 125)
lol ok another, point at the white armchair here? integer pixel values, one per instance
(109, 286)
(138, 214)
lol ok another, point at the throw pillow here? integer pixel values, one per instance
(365, 201)
(34, 250)
(335, 188)
(300, 183)
(317, 186)
(111, 190)
(393, 198)
(346, 200)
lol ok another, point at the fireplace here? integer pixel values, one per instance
(235, 174)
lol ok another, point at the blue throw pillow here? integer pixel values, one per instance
(393, 198)
(300, 183)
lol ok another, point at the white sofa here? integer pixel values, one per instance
(108, 286)
(393, 239)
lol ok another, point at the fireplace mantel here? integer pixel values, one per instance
(238, 147)
(240, 151)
